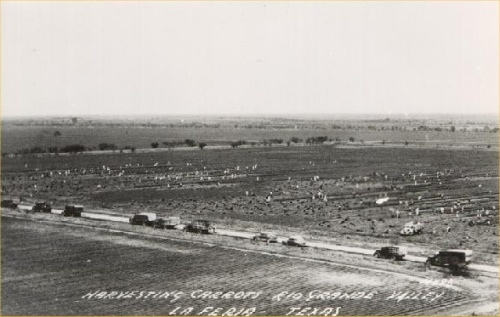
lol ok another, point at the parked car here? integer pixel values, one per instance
(295, 241)
(9, 203)
(200, 226)
(42, 207)
(269, 237)
(73, 211)
(391, 252)
(412, 228)
(168, 223)
(457, 260)
(144, 219)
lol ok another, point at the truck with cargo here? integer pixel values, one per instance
(391, 252)
(455, 259)
(73, 211)
(169, 223)
(144, 219)
(200, 226)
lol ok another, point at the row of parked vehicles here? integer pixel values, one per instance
(69, 210)
(456, 260)
(151, 220)
(271, 237)
(204, 226)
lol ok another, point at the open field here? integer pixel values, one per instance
(18, 134)
(54, 269)
(450, 188)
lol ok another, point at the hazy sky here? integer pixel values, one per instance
(88, 58)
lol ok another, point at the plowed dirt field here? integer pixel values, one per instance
(54, 269)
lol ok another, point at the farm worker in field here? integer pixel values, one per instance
(397, 213)
(448, 229)
(417, 211)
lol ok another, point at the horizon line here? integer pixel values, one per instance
(255, 115)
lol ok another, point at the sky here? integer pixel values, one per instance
(249, 58)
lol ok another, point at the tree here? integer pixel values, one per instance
(73, 148)
(107, 146)
(235, 144)
(452, 128)
(154, 145)
(57, 133)
(351, 139)
(201, 145)
(190, 142)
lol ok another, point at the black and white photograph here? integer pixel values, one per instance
(249, 158)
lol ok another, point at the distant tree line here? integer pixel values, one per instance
(171, 144)
(73, 148)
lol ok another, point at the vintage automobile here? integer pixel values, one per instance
(456, 260)
(200, 226)
(42, 207)
(295, 241)
(9, 203)
(73, 211)
(268, 237)
(143, 219)
(168, 223)
(391, 252)
(412, 228)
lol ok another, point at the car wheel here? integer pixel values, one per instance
(428, 265)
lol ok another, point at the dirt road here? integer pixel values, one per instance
(100, 215)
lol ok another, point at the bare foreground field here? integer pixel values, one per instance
(444, 178)
(53, 269)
